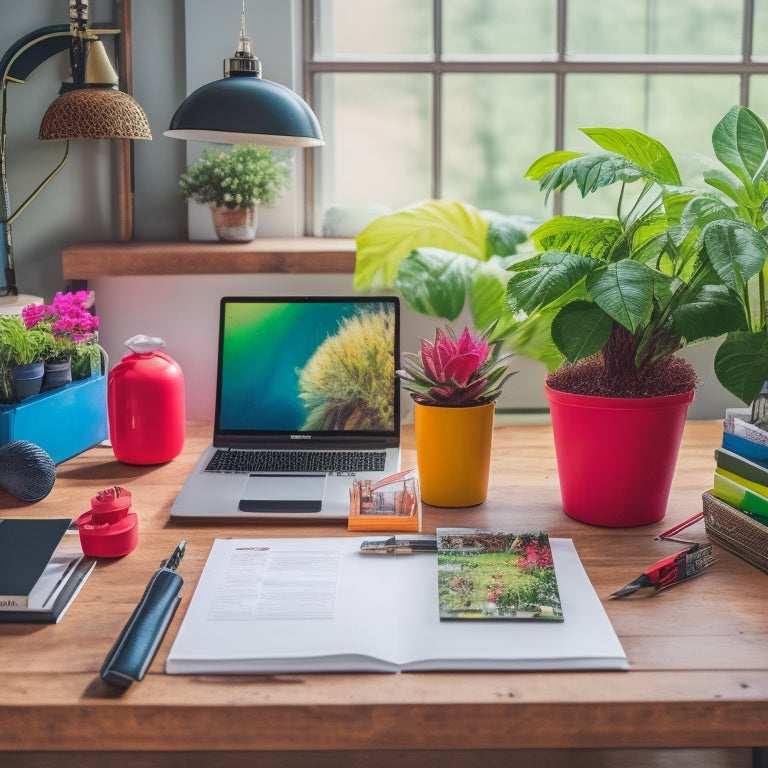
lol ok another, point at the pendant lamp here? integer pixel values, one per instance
(244, 108)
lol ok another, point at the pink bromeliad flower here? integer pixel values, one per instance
(466, 371)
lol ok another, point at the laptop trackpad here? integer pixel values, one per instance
(283, 492)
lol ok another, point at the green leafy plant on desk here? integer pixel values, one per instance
(619, 295)
(671, 266)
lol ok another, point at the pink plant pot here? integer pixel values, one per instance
(616, 457)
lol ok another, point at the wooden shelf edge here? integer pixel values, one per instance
(295, 255)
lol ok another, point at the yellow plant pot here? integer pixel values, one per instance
(453, 453)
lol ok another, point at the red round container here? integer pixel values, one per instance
(146, 405)
(616, 456)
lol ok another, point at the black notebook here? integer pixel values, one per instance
(41, 569)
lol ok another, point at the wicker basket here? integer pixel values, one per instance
(736, 531)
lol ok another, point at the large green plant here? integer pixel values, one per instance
(673, 266)
(439, 254)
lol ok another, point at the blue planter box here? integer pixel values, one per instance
(63, 422)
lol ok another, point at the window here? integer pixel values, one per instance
(455, 98)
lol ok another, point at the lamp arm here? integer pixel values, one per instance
(38, 189)
(17, 63)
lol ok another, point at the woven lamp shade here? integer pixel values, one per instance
(94, 113)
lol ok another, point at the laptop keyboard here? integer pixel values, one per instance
(234, 460)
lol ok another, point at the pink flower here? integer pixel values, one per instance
(68, 315)
(455, 372)
(448, 361)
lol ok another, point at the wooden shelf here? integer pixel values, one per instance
(296, 255)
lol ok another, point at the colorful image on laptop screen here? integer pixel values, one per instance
(314, 365)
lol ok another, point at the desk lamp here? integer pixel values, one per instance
(88, 107)
(243, 108)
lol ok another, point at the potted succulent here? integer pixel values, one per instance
(615, 298)
(454, 383)
(233, 184)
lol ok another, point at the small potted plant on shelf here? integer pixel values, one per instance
(454, 383)
(234, 183)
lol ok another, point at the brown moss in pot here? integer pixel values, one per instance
(612, 372)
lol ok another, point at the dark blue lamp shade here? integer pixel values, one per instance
(244, 108)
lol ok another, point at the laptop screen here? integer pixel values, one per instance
(309, 366)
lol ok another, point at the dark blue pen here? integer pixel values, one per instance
(131, 655)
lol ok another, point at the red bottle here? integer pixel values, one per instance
(146, 404)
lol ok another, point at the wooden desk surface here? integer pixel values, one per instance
(698, 652)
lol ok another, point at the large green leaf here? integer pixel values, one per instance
(702, 209)
(533, 338)
(580, 329)
(711, 312)
(740, 142)
(433, 281)
(556, 274)
(729, 185)
(741, 364)
(647, 153)
(386, 241)
(549, 162)
(594, 237)
(624, 291)
(589, 173)
(488, 294)
(506, 233)
(736, 250)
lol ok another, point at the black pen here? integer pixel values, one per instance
(137, 644)
(395, 545)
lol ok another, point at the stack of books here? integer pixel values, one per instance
(736, 507)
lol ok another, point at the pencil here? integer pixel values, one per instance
(680, 527)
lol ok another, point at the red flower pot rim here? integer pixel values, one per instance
(619, 403)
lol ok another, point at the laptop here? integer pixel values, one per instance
(306, 402)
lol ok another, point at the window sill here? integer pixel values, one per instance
(294, 255)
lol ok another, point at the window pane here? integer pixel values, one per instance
(494, 126)
(760, 38)
(678, 110)
(386, 27)
(378, 139)
(758, 96)
(474, 28)
(655, 27)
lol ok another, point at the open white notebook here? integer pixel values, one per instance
(318, 605)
